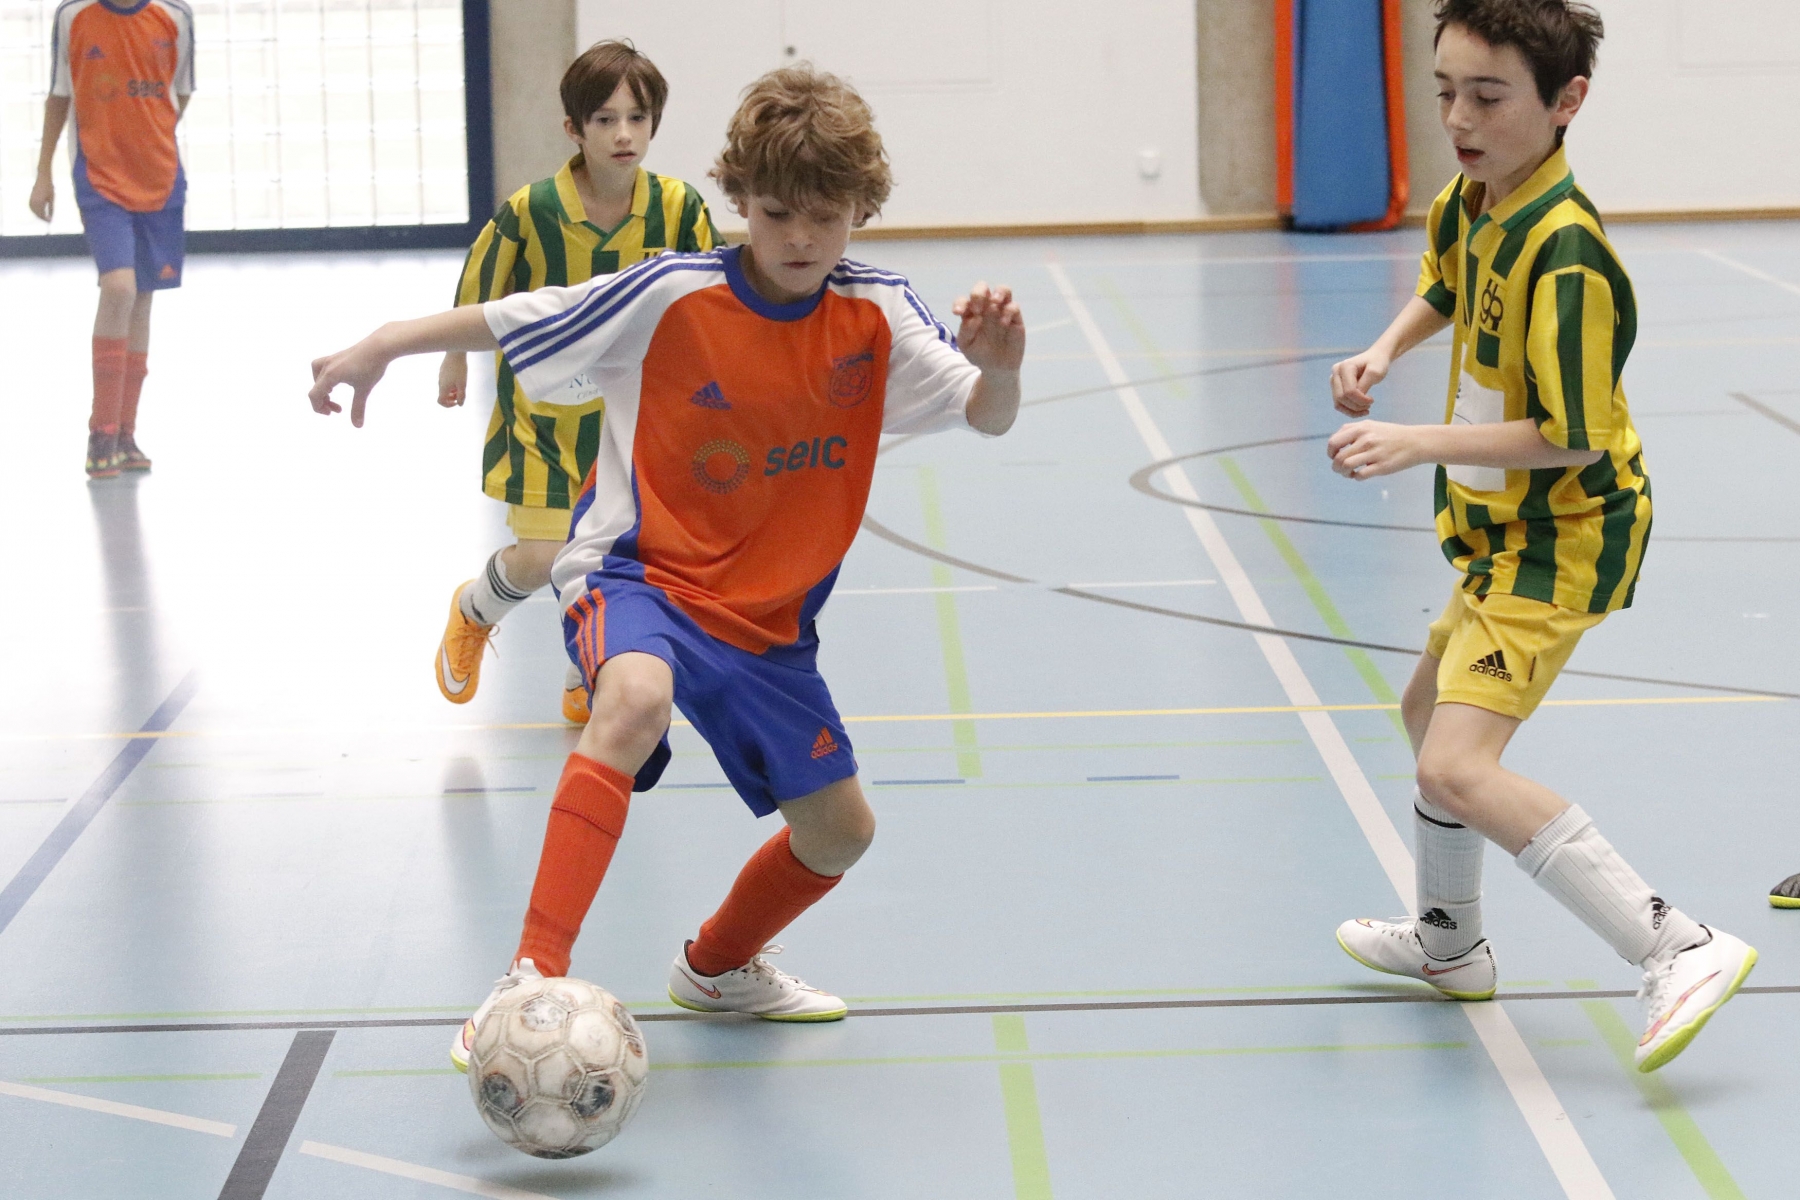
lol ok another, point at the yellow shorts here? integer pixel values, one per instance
(1503, 652)
(542, 524)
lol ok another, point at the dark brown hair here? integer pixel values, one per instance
(592, 78)
(1557, 38)
(806, 138)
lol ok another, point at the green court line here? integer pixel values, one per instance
(1676, 1121)
(140, 1078)
(1024, 1124)
(956, 676)
(1010, 1050)
(1314, 589)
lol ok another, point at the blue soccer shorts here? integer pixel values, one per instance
(769, 718)
(153, 243)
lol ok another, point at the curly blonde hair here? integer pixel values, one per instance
(806, 138)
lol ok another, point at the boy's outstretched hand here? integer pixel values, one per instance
(361, 366)
(992, 335)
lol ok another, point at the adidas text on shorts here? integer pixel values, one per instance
(1502, 652)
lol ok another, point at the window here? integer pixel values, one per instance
(306, 114)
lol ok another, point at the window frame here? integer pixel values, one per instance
(478, 124)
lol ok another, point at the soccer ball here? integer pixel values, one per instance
(557, 1068)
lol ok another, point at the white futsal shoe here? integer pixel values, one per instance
(465, 1037)
(757, 988)
(1394, 947)
(1679, 996)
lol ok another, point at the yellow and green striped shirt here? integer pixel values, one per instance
(535, 454)
(1544, 318)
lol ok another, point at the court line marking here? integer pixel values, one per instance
(136, 1112)
(1420, 995)
(1144, 583)
(1226, 710)
(1747, 269)
(78, 816)
(1758, 406)
(274, 1125)
(420, 1174)
(1556, 1135)
(1019, 1101)
(1708, 1168)
(956, 675)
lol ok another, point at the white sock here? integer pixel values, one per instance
(1449, 880)
(1570, 860)
(491, 595)
(572, 678)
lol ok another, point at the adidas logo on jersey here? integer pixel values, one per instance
(1437, 918)
(824, 744)
(94, 52)
(1493, 665)
(710, 396)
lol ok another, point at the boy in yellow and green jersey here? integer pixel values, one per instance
(600, 213)
(1543, 507)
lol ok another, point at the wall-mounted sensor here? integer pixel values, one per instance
(1150, 162)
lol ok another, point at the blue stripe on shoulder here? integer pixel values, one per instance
(848, 272)
(530, 344)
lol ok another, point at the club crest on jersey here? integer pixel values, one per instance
(852, 378)
(721, 466)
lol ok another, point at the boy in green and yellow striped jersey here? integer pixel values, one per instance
(600, 213)
(1543, 506)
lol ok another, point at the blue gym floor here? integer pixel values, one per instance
(1090, 954)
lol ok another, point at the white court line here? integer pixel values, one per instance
(1747, 269)
(1148, 583)
(1556, 1134)
(910, 591)
(1048, 325)
(114, 1108)
(406, 1170)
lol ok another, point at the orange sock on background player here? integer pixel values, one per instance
(586, 819)
(109, 384)
(136, 367)
(771, 891)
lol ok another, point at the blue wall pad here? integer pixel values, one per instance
(1340, 114)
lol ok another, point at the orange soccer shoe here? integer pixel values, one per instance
(459, 654)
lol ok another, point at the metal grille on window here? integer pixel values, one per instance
(306, 113)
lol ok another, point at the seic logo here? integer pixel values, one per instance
(820, 452)
(721, 466)
(1493, 665)
(852, 378)
(1493, 308)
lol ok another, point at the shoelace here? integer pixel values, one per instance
(760, 965)
(1652, 993)
(472, 639)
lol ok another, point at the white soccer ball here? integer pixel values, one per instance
(558, 1067)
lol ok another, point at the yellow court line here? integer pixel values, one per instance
(898, 718)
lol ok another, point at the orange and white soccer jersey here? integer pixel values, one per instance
(740, 435)
(125, 67)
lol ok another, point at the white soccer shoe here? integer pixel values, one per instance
(464, 1041)
(1681, 995)
(1394, 947)
(756, 988)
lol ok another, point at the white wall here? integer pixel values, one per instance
(993, 111)
(1696, 104)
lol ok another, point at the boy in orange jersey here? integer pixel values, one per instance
(600, 213)
(127, 70)
(746, 392)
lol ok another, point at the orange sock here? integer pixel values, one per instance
(136, 367)
(773, 888)
(109, 384)
(586, 819)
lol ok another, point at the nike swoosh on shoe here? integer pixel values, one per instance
(1445, 971)
(713, 992)
(1673, 1009)
(450, 682)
